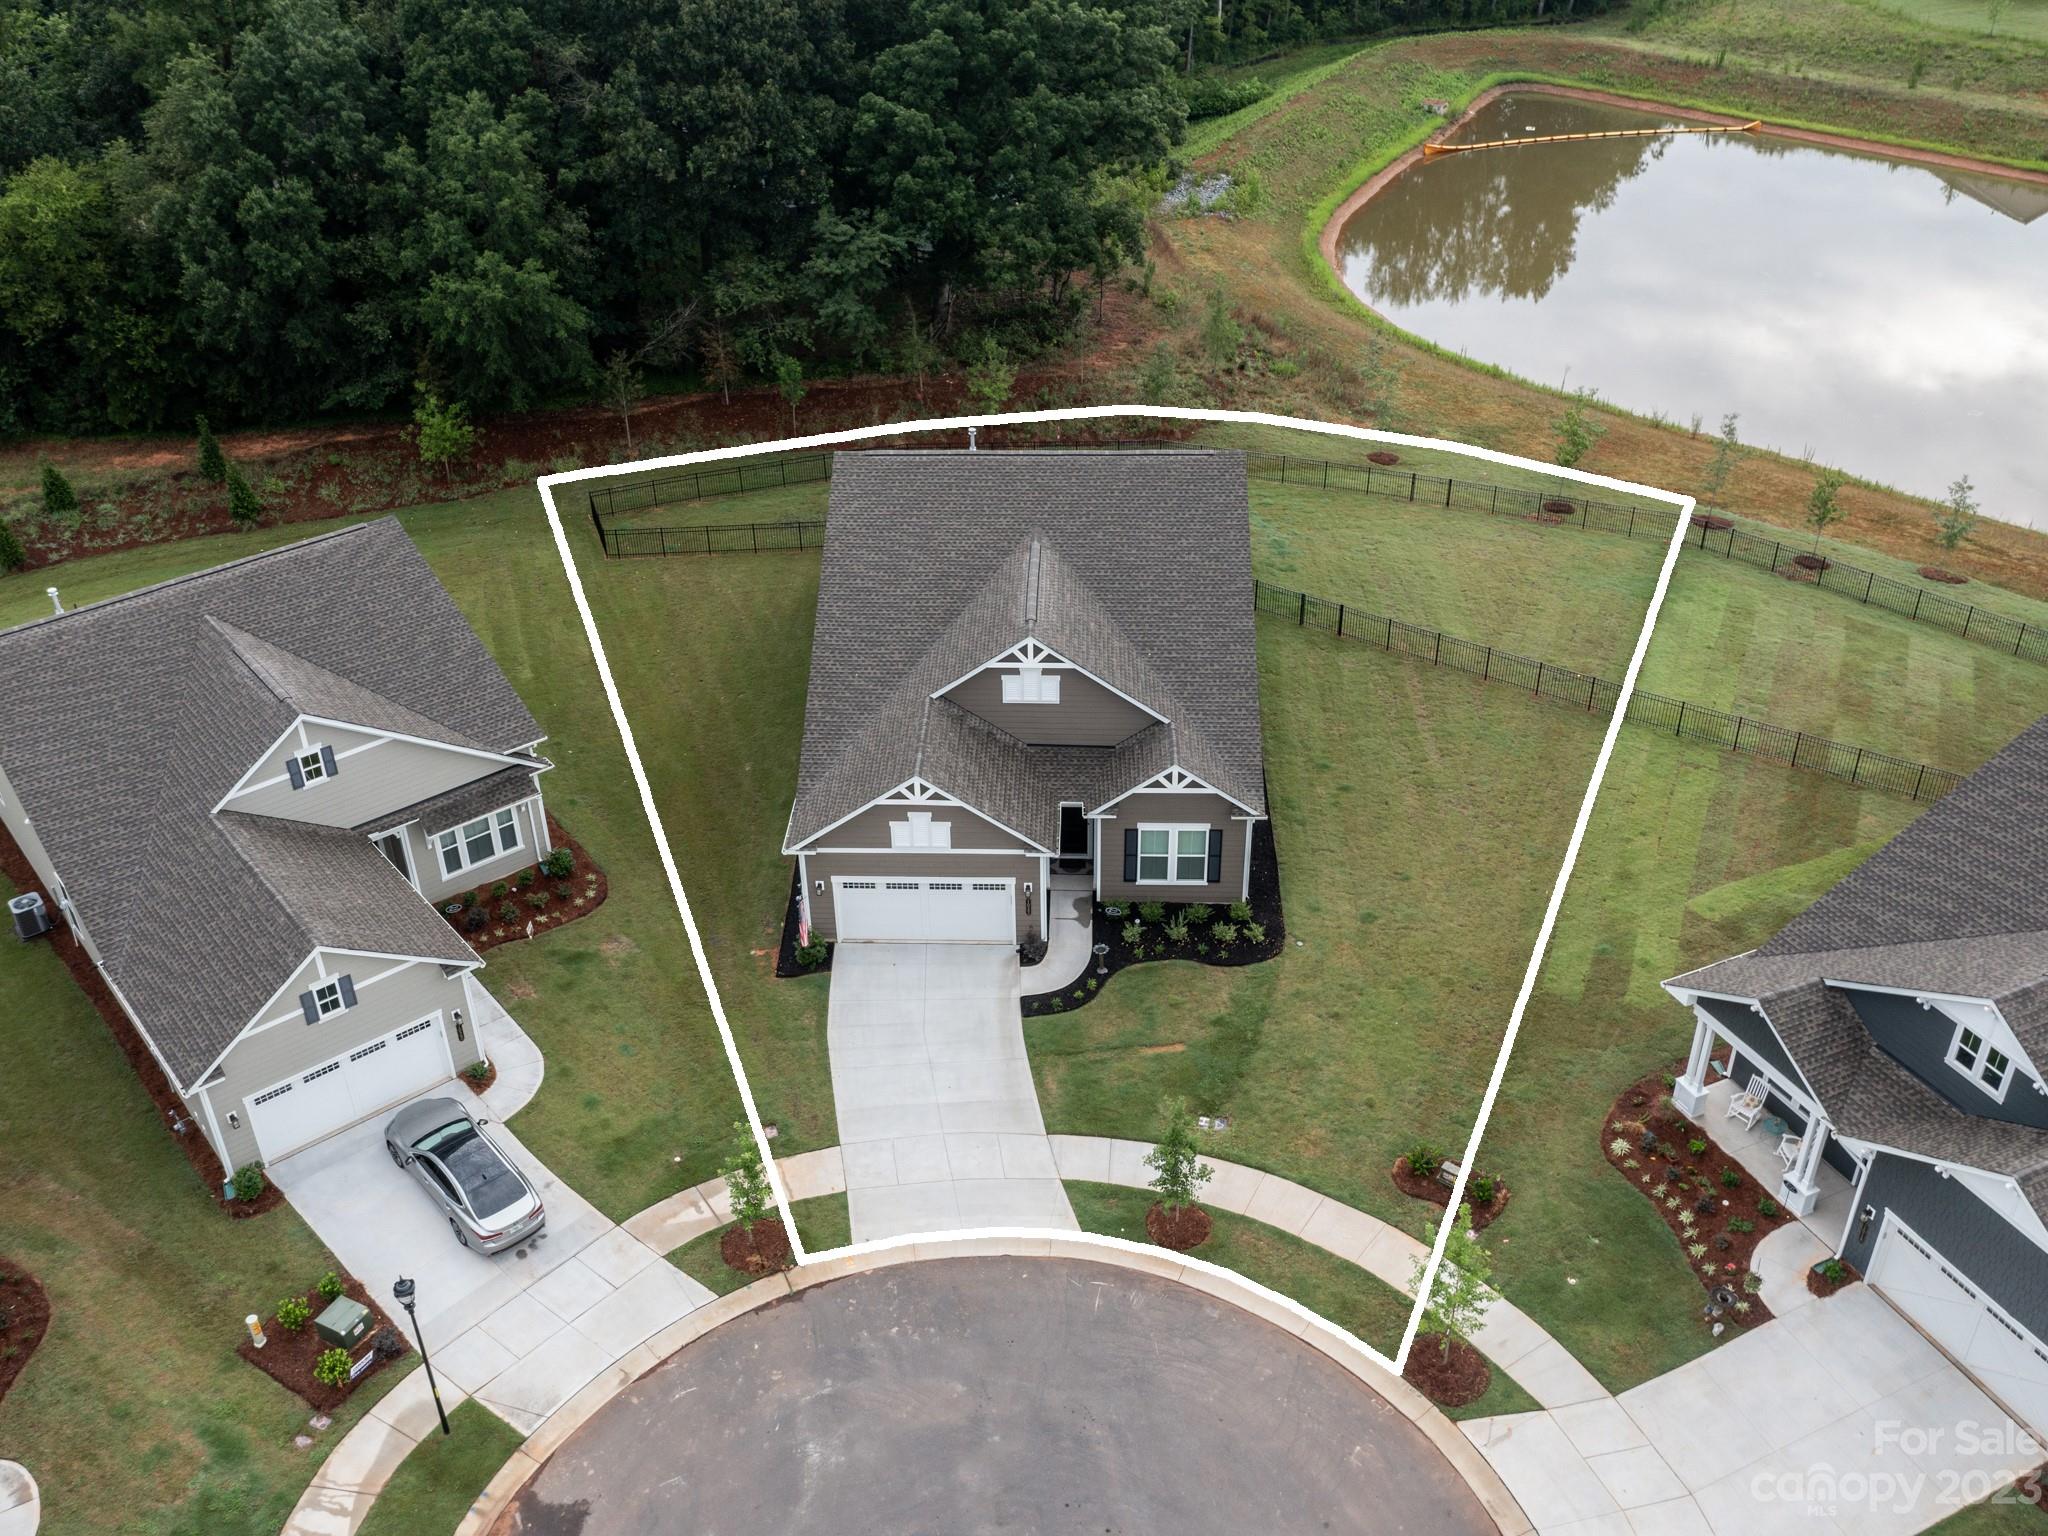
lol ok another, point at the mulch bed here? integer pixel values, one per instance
(1560, 509)
(1153, 943)
(1947, 578)
(1813, 562)
(1384, 456)
(478, 1085)
(1823, 1287)
(786, 962)
(15, 866)
(24, 1319)
(762, 1249)
(1449, 1378)
(587, 888)
(1439, 1195)
(1711, 523)
(1676, 1181)
(1180, 1230)
(288, 1358)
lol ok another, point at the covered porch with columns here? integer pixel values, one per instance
(1791, 1125)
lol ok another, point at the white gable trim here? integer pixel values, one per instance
(317, 958)
(1175, 781)
(2000, 1191)
(918, 794)
(1030, 653)
(1690, 996)
(248, 783)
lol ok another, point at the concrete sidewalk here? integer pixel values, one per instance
(938, 1117)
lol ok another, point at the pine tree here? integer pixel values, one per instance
(213, 464)
(59, 500)
(243, 506)
(12, 556)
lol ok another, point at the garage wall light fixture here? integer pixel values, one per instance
(456, 1015)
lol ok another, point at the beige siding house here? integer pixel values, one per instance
(322, 769)
(1027, 666)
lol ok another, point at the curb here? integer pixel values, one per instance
(1464, 1458)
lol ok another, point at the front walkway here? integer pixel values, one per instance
(938, 1117)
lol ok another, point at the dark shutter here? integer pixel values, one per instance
(1215, 855)
(327, 760)
(348, 990)
(295, 772)
(1130, 855)
(310, 1006)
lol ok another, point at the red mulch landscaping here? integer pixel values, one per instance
(1711, 523)
(1179, 1230)
(1559, 509)
(1812, 562)
(1383, 456)
(24, 1319)
(1417, 1187)
(1449, 1378)
(15, 866)
(762, 1249)
(1948, 578)
(1823, 1287)
(477, 1085)
(1671, 1168)
(288, 1358)
(587, 889)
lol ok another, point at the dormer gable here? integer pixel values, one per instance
(1961, 1047)
(337, 773)
(1037, 695)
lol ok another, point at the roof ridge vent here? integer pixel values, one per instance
(1031, 588)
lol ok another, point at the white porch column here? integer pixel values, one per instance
(1689, 1093)
(1799, 1190)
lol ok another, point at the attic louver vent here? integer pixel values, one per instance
(1031, 589)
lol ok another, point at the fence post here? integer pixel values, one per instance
(1729, 552)
(1368, 478)
(1585, 511)
(1389, 645)
(1736, 744)
(1326, 474)
(753, 530)
(1868, 585)
(1539, 679)
(1448, 483)
(1921, 779)
(1776, 550)
(1495, 508)
(1302, 617)
(1856, 768)
(1411, 485)
(1968, 618)
(1340, 621)
(1798, 741)
(1487, 674)
(1438, 659)
(1917, 595)
(664, 539)
(1681, 719)
(800, 542)
(1631, 522)
(2022, 640)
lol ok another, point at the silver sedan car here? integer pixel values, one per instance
(487, 1201)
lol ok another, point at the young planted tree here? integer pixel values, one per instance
(1824, 503)
(59, 500)
(12, 556)
(789, 383)
(1727, 454)
(1178, 1172)
(1956, 516)
(243, 505)
(752, 1199)
(213, 464)
(916, 353)
(1221, 334)
(1576, 433)
(990, 375)
(622, 384)
(1459, 1300)
(721, 360)
(442, 432)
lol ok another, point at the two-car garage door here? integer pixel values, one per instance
(2010, 1362)
(321, 1100)
(919, 910)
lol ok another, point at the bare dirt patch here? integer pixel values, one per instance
(24, 1319)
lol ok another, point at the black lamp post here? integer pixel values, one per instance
(403, 1290)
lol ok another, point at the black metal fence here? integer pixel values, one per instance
(1547, 680)
(716, 539)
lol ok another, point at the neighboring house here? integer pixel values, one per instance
(1022, 659)
(1902, 1024)
(243, 790)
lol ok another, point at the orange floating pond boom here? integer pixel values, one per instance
(1574, 138)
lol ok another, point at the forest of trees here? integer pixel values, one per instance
(270, 209)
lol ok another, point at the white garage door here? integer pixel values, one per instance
(321, 1100)
(925, 910)
(2009, 1361)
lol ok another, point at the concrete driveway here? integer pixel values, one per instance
(939, 1126)
(972, 1395)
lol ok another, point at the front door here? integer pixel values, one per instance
(392, 845)
(1073, 834)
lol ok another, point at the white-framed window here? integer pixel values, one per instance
(327, 998)
(311, 767)
(1031, 685)
(1173, 855)
(315, 765)
(478, 842)
(918, 830)
(1980, 1061)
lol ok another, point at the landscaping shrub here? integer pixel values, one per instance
(213, 464)
(1152, 911)
(1730, 1179)
(12, 556)
(1133, 932)
(1240, 911)
(468, 900)
(330, 1286)
(1696, 1146)
(500, 891)
(1225, 934)
(293, 1313)
(508, 913)
(810, 954)
(1196, 913)
(538, 900)
(1767, 1206)
(248, 1181)
(477, 1071)
(1177, 928)
(1741, 1224)
(560, 864)
(1255, 933)
(1424, 1160)
(59, 500)
(526, 877)
(244, 506)
(1482, 1189)
(1832, 1271)
(477, 921)
(331, 1369)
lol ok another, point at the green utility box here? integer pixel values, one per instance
(344, 1323)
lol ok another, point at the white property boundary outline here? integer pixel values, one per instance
(1314, 1319)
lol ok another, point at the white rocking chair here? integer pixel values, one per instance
(1788, 1150)
(1749, 1104)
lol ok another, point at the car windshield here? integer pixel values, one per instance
(483, 1177)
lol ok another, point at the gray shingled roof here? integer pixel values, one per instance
(1954, 904)
(465, 802)
(1134, 566)
(129, 720)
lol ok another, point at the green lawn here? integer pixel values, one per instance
(437, 1482)
(822, 1223)
(1355, 1299)
(135, 1414)
(2026, 19)
(1997, 1519)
